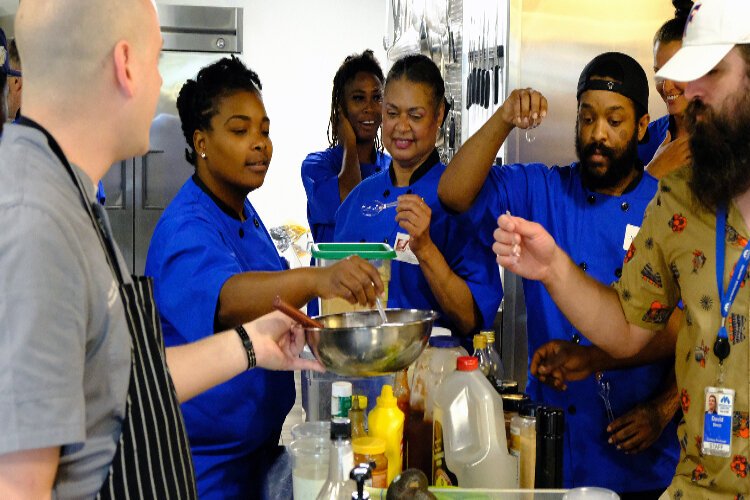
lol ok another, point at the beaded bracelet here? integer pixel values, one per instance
(249, 350)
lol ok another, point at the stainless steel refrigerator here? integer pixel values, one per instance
(139, 189)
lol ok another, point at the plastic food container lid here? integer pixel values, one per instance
(442, 341)
(467, 363)
(368, 446)
(337, 251)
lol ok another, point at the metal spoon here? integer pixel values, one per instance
(381, 311)
(377, 206)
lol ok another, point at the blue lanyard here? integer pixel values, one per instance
(721, 346)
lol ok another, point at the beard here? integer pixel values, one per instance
(720, 146)
(621, 161)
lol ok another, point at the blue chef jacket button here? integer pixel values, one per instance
(625, 206)
(377, 169)
(591, 199)
(362, 240)
(408, 191)
(572, 410)
(584, 266)
(618, 273)
(385, 240)
(386, 193)
(242, 233)
(576, 338)
(256, 223)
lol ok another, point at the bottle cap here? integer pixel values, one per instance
(529, 409)
(467, 363)
(480, 341)
(341, 428)
(550, 422)
(513, 402)
(386, 398)
(444, 342)
(507, 387)
(489, 335)
(355, 403)
(368, 446)
(341, 389)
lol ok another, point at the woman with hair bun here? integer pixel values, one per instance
(440, 264)
(215, 267)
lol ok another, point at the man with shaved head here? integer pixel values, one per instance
(87, 405)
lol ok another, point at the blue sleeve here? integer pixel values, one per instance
(507, 188)
(189, 273)
(657, 131)
(321, 182)
(474, 262)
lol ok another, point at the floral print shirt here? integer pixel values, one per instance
(672, 258)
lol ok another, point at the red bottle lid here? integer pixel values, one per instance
(467, 363)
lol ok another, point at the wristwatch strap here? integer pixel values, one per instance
(247, 343)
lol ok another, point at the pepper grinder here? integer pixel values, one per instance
(550, 426)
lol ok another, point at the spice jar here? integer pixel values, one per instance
(511, 404)
(372, 450)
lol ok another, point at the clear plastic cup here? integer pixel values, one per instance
(320, 429)
(309, 465)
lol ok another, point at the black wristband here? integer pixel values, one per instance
(247, 343)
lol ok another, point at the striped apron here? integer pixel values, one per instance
(152, 459)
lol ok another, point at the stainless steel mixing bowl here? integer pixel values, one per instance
(357, 344)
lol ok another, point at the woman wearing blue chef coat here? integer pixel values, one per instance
(354, 152)
(215, 266)
(440, 264)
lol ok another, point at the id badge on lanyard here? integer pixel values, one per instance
(719, 401)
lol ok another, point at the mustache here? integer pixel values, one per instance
(595, 147)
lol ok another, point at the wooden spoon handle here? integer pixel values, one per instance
(294, 313)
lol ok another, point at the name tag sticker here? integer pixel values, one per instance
(631, 232)
(403, 252)
(717, 422)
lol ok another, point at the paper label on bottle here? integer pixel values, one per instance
(441, 475)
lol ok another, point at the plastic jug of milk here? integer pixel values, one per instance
(469, 444)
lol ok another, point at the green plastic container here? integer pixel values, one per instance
(379, 255)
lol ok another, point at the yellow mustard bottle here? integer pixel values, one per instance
(386, 421)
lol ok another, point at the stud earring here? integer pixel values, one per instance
(203, 155)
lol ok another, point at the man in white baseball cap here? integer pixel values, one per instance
(694, 244)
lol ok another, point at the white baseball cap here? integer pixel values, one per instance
(712, 29)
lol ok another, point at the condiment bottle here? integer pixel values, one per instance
(371, 450)
(550, 426)
(341, 399)
(386, 421)
(435, 362)
(480, 344)
(523, 443)
(402, 394)
(470, 443)
(496, 372)
(357, 417)
(339, 486)
(511, 405)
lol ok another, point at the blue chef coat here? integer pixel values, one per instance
(657, 131)
(591, 228)
(197, 245)
(320, 176)
(452, 235)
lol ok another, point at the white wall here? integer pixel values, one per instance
(296, 46)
